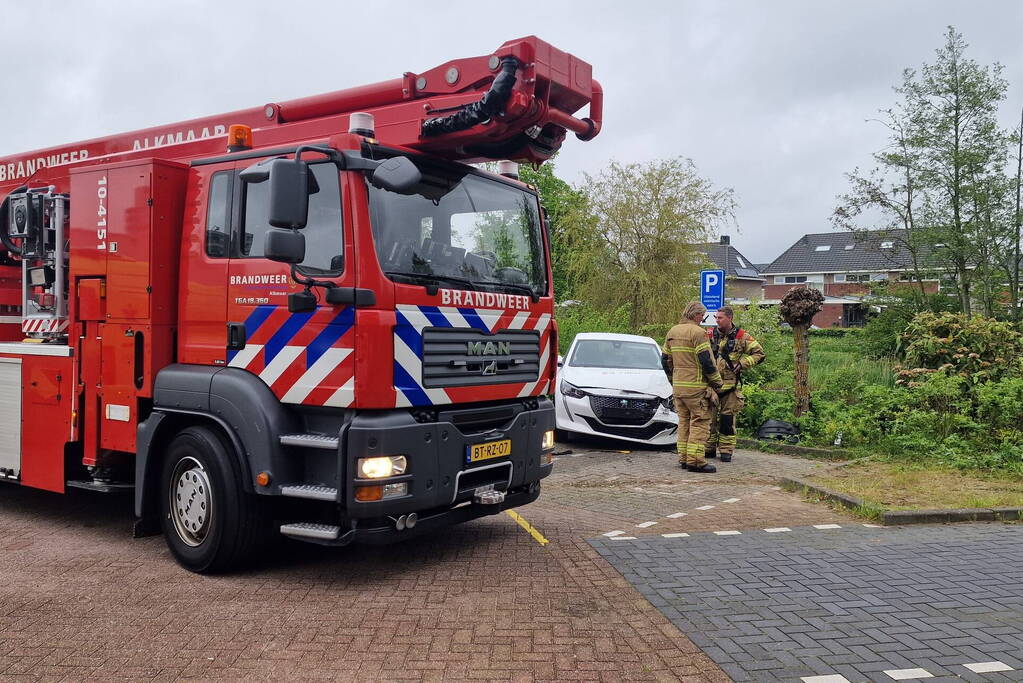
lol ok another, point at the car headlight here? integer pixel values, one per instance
(571, 390)
(669, 403)
(377, 468)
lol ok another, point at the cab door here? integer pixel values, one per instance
(305, 357)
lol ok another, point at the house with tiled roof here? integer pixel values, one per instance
(841, 265)
(743, 282)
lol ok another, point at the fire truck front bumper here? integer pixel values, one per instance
(443, 466)
(405, 527)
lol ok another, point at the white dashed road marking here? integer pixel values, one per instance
(705, 507)
(987, 667)
(678, 535)
(623, 538)
(827, 526)
(777, 529)
(908, 674)
(644, 525)
(731, 500)
(727, 533)
(832, 678)
(614, 533)
(676, 515)
(873, 526)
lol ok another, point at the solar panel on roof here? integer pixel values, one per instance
(746, 272)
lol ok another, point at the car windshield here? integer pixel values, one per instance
(610, 353)
(461, 230)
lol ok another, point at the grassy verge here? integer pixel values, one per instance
(883, 485)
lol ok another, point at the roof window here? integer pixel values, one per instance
(886, 245)
(849, 247)
(823, 247)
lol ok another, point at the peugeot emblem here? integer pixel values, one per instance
(625, 404)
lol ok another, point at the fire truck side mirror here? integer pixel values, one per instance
(289, 193)
(284, 246)
(397, 174)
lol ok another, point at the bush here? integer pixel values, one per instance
(975, 348)
(576, 318)
(835, 332)
(882, 335)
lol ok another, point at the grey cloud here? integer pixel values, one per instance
(770, 98)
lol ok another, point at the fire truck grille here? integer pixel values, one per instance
(616, 410)
(464, 358)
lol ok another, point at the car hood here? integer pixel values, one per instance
(613, 380)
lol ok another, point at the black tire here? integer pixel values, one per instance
(214, 526)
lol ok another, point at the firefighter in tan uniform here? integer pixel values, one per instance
(695, 381)
(735, 350)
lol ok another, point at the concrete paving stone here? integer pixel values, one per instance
(890, 620)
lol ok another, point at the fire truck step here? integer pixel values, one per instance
(310, 441)
(309, 491)
(326, 532)
(100, 486)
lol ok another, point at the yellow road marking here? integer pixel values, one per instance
(537, 536)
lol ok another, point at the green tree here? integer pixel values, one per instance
(952, 107)
(888, 196)
(940, 189)
(559, 199)
(632, 241)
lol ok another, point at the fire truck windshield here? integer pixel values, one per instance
(460, 229)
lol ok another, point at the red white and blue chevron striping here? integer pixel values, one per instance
(411, 320)
(303, 357)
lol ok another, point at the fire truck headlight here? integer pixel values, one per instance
(377, 468)
(548, 440)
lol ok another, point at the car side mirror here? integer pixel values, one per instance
(284, 246)
(561, 361)
(397, 174)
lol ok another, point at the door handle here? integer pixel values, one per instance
(351, 296)
(235, 336)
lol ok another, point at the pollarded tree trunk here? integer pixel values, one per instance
(802, 378)
(798, 307)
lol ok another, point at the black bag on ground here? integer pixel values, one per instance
(776, 430)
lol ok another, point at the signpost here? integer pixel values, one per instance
(712, 289)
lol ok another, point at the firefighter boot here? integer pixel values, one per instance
(726, 437)
(705, 468)
(712, 453)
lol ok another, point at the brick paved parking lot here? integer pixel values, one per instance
(79, 598)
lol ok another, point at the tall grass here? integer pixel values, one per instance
(832, 357)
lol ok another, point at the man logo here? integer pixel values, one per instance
(501, 348)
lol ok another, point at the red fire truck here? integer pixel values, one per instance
(314, 317)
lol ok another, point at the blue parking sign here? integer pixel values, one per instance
(712, 289)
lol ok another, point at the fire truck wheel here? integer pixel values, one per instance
(210, 523)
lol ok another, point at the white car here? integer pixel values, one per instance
(612, 385)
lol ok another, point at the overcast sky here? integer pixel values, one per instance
(769, 98)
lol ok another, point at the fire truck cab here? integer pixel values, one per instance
(338, 329)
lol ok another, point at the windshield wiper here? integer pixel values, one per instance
(429, 280)
(522, 288)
